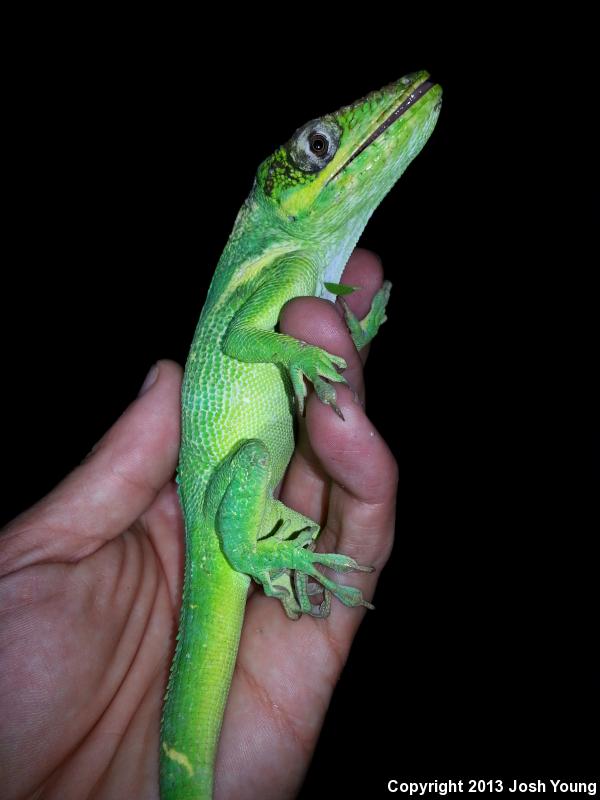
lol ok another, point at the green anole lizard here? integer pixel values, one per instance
(309, 204)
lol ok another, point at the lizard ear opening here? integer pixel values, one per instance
(314, 145)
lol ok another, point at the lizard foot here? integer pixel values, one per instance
(319, 367)
(288, 571)
(364, 330)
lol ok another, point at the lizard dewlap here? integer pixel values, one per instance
(242, 386)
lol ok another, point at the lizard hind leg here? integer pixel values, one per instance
(246, 515)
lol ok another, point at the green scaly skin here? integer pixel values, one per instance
(310, 202)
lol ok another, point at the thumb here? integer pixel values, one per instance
(111, 488)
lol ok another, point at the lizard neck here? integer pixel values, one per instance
(256, 240)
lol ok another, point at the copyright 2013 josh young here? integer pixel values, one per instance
(553, 786)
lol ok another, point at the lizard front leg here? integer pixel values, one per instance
(364, 330)
(251, 335)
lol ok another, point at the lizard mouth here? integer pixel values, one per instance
(415, 95)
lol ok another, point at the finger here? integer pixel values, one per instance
(316, 321)
(319, 322)
(361, 507)
(164, 526)
(301, 319)
(118, 480)
(364, 269)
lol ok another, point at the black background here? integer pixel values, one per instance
(132, 152)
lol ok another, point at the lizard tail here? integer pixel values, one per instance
(212, 610)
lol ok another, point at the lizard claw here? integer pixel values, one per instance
(321, 368)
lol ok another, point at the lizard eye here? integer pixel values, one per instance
(318, 144)
(314, 145)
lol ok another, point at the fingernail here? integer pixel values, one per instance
(149, 380)
(355, 395)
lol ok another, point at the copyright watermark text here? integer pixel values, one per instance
(553, 786)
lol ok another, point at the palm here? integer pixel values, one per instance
(89, 639)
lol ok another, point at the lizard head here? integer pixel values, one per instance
(336, 169)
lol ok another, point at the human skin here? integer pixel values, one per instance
(91, 582)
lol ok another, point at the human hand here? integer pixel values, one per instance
(91, 581)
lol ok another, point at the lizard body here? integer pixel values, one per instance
(292, 237)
